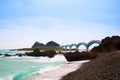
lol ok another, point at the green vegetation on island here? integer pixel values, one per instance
(44, 48)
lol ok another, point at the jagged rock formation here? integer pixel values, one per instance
(52, 43)
(109, 44)
(37, 44)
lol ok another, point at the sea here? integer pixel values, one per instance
(17, 68)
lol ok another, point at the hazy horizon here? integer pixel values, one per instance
(23, 22)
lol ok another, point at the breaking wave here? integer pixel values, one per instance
(19, 67)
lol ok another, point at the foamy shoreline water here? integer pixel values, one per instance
(58, 72)
(24, 66)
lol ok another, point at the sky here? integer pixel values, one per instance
(23, 22)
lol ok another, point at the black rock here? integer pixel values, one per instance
(37, 53)
(20, 55)
(76, 56)
(7, 55)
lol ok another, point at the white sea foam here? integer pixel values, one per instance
(47, 69)
(56, 58)
(14, 57)
(54, 63)
(1, 56)
(7, 78)
(56, 73)
(10, 78)
(40, 59)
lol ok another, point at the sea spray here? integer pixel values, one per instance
(59, 58)
(56, 58)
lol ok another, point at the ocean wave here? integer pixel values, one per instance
(56, 58)
(25, 65)
(42, 71)
(52, 63)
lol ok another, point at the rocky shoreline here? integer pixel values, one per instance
(105, 67)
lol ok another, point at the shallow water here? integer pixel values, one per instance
(58, 72)
(15, 68)
(6, 51)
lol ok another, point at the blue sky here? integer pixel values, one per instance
(22, 22)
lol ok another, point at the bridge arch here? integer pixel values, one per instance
(67, 47)
(63, 47)
(93, 42)
(80, 44)
(73, 45)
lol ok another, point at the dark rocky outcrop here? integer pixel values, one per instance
(7, 55)
(76, 56)
(20, 55)
(37, 53)
(52, 43)
(37, 44)
(105, 67)
(109, 44)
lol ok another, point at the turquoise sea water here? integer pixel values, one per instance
(15, 68)
(3, 51)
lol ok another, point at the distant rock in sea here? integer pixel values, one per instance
(52, 43)
(37, 44)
